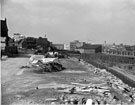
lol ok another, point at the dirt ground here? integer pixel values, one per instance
(23, 86)
(19, 86)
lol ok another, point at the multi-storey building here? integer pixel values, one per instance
(67, 46)
(75, 44)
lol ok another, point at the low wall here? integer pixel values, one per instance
(109, 58)
(122, 76)
(126, 79)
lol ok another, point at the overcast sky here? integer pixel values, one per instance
(67, 20)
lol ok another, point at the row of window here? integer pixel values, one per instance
(123, 53)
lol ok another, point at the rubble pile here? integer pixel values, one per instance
(42, 64)
(112, 91)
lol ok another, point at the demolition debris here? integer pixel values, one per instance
(41, 64)
(112, 91)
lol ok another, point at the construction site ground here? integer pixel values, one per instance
(23, 86)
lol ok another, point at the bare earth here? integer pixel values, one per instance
(23, 86)
(19, 86)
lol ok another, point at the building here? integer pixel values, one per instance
(18, 36)
(29, 43)
(67, 46)
(4, 38)
(3, 44)
(120, 50)
(75, 44)
(59, 46)
(78, 43)
(88, 49)
(130, 48)
(4, 28)
(4, 33)
(120, 53)
(72, 46)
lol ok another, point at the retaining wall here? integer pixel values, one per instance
(126, 79)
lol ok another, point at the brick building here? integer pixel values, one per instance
(87, 48)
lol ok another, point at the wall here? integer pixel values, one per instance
(126, 79)
(80, 50)
(86, 51)
(109, 58)
(89, 51)
(98, 49)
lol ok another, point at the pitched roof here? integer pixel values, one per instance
(88, 46)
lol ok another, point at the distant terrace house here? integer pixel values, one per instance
(121, 53)
(88, 49)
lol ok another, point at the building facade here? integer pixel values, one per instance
(75, 44)
(3, 43)
(90, 49)
(72, 46)
(120, 50)
(67, 46)
(4, 32)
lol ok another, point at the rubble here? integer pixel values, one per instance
(89, 102)
(112, 91)
(42, 64)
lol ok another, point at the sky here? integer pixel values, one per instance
(62, 21)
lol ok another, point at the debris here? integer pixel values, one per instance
(22, 67)
(42, 64)
(72, 90)
(112, 91)
(89, 102)
(83, 101)
(51, 99)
